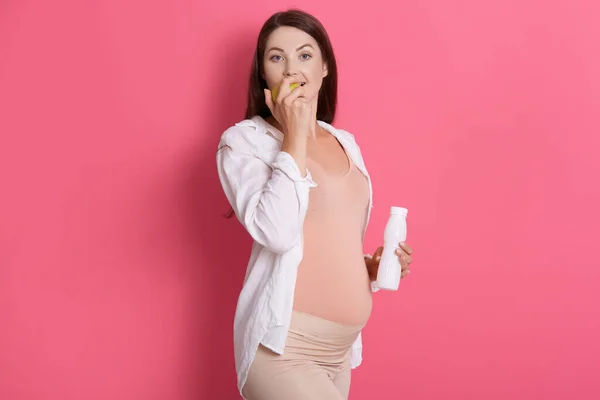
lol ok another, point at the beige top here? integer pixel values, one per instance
(333, 282)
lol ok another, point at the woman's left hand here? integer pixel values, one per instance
(404, 253)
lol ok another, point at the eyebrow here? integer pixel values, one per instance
(298, 49)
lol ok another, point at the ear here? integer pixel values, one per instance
(325, 70)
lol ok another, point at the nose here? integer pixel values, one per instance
(291, 69)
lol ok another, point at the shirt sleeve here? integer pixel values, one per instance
(270, 202)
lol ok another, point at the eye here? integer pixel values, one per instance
(276, 57)
(306, 56)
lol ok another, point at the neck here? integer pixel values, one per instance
(314, 125)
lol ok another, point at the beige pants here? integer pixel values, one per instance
(315, 364)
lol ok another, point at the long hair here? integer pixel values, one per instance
(327, 101)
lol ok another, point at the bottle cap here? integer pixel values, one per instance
(399, 211)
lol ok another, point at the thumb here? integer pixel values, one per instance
(269, 100)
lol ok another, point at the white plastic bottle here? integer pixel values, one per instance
(388, 275)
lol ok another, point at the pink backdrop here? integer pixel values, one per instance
(119, 278)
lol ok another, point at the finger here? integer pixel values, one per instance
(296, 95)
(403, 265)
(269, 100)
(404, 255)
(406, 247)
(404, 273)
(285, 90)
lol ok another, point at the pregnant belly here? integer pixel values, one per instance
(334, 285)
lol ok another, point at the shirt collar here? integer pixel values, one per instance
(349, 145)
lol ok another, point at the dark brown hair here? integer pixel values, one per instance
(305, 22)
(295, 18)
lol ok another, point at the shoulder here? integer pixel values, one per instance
(346, 135)
(248, 135)
(237, 134)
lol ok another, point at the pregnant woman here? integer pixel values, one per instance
(300, 187)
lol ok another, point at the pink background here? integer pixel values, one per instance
(119, 278)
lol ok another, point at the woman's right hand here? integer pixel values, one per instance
(291, 108)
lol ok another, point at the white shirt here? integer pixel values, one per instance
(270, 197)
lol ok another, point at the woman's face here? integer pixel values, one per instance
(292, 52)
